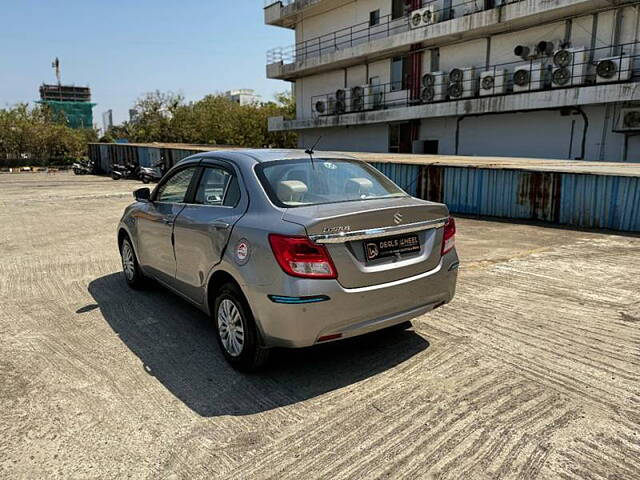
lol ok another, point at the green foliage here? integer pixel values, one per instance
(214, 120)
(37, 136)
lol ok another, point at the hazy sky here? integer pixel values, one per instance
(124, 48)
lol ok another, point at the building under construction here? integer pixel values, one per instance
(71, 101)
(68, 101)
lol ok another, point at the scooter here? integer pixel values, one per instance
(83, 168)
(153, 173)
(119, 171)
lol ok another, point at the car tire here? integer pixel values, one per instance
(236, 330)
(115, 176)
(145, 179)
(130, 267)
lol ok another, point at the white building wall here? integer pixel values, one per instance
(344, 17)
(467, 54)
(534, 134)
(538, 134)
(314, 85)
(367, 138)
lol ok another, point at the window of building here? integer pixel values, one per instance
(399, 73)
(374, 18)
(397, 9)
(400, 138)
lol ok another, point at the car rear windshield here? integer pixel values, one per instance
(295, 183)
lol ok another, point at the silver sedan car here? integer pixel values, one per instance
(286, 249)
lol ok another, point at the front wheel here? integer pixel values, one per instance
(132, 273)
(236, 331)
(115, 176)
(145, 179)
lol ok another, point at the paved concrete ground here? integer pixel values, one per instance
(532, 372)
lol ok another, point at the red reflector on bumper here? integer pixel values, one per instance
(330, 337)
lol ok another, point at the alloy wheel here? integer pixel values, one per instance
(230, 327)
(128, 264)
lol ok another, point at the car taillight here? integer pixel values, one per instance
(449, 238)
(300, 257)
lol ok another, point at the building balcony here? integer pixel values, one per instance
(362, 42)
(554, 82)
(286, 13)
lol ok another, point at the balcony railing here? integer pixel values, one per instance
(563, 68)
(365, 32)
(284, 3)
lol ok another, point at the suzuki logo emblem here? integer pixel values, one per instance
(397, 217)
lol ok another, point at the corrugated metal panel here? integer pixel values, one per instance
(405, 176)
(600, 201)
(154, 155)
(104, 159)
(588, 201)
(579, 199)
(143, 157)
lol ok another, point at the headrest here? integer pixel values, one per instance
(358, 185)
(291, 190)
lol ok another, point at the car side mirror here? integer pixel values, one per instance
(142, 194)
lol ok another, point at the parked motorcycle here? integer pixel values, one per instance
(153, 173)
(119, 171)
(83, 168)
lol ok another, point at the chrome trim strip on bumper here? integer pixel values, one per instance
(394, 283)
(377, 232)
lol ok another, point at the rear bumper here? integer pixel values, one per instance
(350, 312)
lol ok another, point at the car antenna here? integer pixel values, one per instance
(309, 151)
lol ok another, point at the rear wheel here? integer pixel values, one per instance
(132, 273)
(236, 331)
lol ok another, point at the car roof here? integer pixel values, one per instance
(261, 155)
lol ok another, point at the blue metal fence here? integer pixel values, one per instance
(565, 198)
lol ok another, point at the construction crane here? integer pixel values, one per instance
(56, 65)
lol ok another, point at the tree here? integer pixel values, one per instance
(36, 136)
(213, 120)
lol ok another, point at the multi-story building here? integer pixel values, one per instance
(536, 78)
(107, 120)
(69, 101)
(243, 96)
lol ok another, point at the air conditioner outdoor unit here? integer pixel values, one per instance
(570, 67)
(529, 76)
(629, 119)
(463, 83)
(324, 106)
(493, 82)
(343, 100)
(614, 69)
(434, 87)
(423, 17)
(357, 99)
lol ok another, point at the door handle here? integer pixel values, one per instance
(220, 225)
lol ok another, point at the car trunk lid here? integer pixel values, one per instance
(404, 233)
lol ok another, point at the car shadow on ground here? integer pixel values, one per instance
(176, 344)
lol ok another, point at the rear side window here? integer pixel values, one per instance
(299, 182)
(218, 187)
